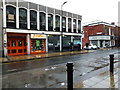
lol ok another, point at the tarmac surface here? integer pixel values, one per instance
(100, 78)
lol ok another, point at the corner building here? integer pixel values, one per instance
(100, 33)
(29, 28)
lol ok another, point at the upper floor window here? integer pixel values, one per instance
(69, 24)
(33, 19)
(74, 25)
(22, 18)
(42, 21)
(79, 26)
(11, 16)
(57, 23)
(50, 22)
(63, 24)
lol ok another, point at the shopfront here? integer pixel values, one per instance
(102, 41)
(16, 44)
(76, 42)
(37, 43)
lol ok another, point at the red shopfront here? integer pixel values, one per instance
(16, 44)
(37, 44)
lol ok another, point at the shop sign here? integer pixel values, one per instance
(11, 16)
(99, 38)
(39, 36)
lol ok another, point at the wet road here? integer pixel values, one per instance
(51, 72)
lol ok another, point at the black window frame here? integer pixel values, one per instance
(22, 20)
(69, 25)
(74, 25)
(57, 23)
(10, 16)
(79, 26)
(50, 22)
(42, 21)
(63, 24)
(33, 20)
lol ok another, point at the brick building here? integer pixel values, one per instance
(99, 33)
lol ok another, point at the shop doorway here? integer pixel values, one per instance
(16, 45)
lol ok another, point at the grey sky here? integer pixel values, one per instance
(91, 10)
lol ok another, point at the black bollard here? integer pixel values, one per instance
(111, 63)
(69, 76)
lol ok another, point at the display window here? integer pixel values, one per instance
(38, 46)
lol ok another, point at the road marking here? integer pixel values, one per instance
(12, 70)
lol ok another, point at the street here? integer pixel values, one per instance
(51, 72)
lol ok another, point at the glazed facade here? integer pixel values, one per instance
(28, 28)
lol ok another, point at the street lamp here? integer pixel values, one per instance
(61, 46)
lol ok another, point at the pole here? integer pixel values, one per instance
(61, 29)
(61, 48)
(112, 63)
(69, 76)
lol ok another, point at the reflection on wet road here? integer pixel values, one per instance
(51, 72)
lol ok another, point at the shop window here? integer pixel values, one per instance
(19, 42)
(79, 26)
(69, 25)
(74, 25)
(8, 51)
(11, 17)
(37, 45)
(14, 51)
(33, 20)
(19, 50)
(13, 43)
(63, 24)
(22, 18)
(57, 23)
(50, 22)
(42, 21)
(25, 50)
(8, 43)
(25, 43)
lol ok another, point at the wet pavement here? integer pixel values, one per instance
(40, 56)
(51, 73)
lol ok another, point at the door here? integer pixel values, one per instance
(101, 43)
(16, 46)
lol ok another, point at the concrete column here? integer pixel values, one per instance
(46, 43)
(28, 43)
(76, 25)
(4, 14)
(98, 43)
(53, 22)
(90, 42)
(5, 41)
(28, 19)
(46, 22)
(72, 38)
(1, 31)
(72, 24)
(110, 43)
(17, 16)
(60, 43)
(103, 43)
(66, 24)
(38, 21)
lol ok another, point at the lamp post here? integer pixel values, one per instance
(61, 46)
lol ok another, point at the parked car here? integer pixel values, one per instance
(91, 47)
